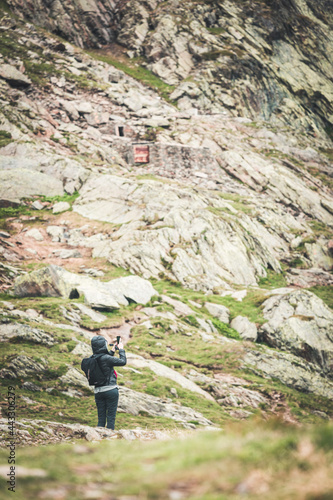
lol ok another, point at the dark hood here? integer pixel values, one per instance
(99, 344)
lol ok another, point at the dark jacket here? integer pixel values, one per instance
(107, 362)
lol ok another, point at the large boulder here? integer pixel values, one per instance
(220, 312)
(74, 378)
(228, 394)
(246, 329)
(24, 332)
(41, 283)
(13, 76)
(54, 281)
(288, 369)
(133, 288)
(26, 156)
(22, 366)
(21, 183)
(134, 402)
(301, 323)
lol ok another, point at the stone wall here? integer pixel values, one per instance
(170, 160)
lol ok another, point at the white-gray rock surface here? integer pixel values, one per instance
(55, 281)
(24, 332)
(218, 311)
(61, 206)
(21, 183)
(246, 329)
(301, 323)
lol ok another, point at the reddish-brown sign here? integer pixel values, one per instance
(141, 154)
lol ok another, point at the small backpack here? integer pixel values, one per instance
(93, 371)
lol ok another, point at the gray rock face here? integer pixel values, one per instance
(300, 322)
(35, 234)
(82, 349)
(290, 370)
(75, 378)
(134, 402)
(16, 330)
(94, 315)
(41, 283)
(228, 394)
(305, 278)
(33, 158)
(218, 311)
(181, 45)
(277, 179)
(188, 242)
(164, 371)
(180, 308)
(133, 288)
(54, 281)
(60, 207)
(21, 183)
(13, 76)
(22, 366)
(72, 21)
(246, 329)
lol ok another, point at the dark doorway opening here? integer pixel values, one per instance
(120, 131)
(74, 294)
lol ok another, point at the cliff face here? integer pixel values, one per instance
(262, 59)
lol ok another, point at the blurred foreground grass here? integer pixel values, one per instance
(255, 459)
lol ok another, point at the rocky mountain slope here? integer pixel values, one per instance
(212, 258)
(260, 60)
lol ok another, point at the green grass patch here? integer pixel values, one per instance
(273, 280)
(146, 381)
(298, 263)
(69, 198)
(220, 211)
(12, 212)
(133, 68)
(225, 330)
(250, 306)
(320, 229)
(208, 466)
(5, 138)
(216, 31)
(40, 72)
(178, 350)
(4, 7)
(212, 55)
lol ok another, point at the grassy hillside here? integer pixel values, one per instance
(253, 460)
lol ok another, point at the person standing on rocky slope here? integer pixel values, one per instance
(107, 396)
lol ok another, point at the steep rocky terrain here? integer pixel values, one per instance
(262, 59)
(212, 258)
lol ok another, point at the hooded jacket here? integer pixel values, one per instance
(107, 362)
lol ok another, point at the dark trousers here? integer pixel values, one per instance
(107, 404)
